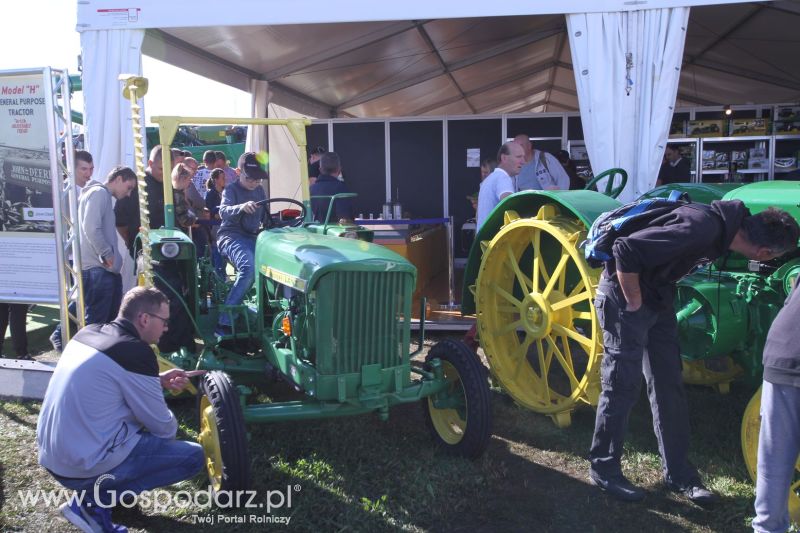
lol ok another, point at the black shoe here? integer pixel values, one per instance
(618, 487)
(695, 491)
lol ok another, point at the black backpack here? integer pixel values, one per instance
(624, 221)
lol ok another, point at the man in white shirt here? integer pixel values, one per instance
(499, 183)
(541, 171)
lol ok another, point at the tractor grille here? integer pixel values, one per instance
(363, 318)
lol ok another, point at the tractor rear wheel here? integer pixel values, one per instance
(751, 425)
(222, 433)
(460, 417)
(536, 320)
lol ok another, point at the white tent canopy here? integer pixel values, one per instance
(438, 58)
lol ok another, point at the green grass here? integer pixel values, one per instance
(360, 474)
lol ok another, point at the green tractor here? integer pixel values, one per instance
(532, 293)
(329, 314)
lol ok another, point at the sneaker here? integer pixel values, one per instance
(695, 491)
(55, 340)
(78, 516)
(102, 516)
(618, 487)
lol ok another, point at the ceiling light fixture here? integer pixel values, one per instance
(728, 110)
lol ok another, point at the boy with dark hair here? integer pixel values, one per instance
(241, 210)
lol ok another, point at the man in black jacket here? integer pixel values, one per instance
(634, 307)
(127, 210)
(779, 438)
(675, 168)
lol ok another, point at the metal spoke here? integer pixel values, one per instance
(577, 288)
(507, 309)
(574, 335)
(583, 315)
(510, 327)
(524, 283)
(570, 301)
(556, 274)
(543, 369)
(502, 292)
(522, 356)
(538, 264)
(568, 370)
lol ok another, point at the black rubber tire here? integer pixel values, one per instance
(224, 399)
(472, 377)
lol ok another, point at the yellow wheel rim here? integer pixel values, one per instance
(536, 320)
(209, 440)
(751, 425)
(450, 423)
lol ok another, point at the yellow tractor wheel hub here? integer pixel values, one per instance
(449, 424)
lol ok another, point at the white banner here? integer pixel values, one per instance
(28, 265)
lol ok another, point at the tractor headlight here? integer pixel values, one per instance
(350, 235)
(170, 250)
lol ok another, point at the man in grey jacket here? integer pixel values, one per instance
(100, 256)
(241, 210)
(104, 428)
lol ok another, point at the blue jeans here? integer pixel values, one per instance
(154, 462)
(778, 447)
(102, 296)
(241, 251)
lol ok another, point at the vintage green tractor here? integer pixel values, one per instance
(532, 293)
(329, 314)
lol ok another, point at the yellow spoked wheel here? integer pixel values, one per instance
(459, 416)
(536, 320)
(751, 425)
(222, 433)
(717, 373)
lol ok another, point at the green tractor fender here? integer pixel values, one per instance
(583, 205)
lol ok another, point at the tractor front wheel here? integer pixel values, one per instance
(751, 426)
(460, 416)
(222, 433)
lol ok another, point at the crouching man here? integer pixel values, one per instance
(104, 427)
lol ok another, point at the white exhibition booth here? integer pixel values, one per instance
(626, 62)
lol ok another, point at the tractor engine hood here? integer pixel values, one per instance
(298, 258)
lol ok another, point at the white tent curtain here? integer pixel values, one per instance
(627, 66)
(109, 134)
(259, 98)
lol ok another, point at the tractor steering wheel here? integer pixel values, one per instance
(611, 173)
(269, 222)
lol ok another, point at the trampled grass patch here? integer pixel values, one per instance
(361, 474)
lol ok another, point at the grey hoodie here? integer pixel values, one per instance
(98, 228)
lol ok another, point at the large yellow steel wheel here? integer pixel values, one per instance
(536, 320)
(751, 425)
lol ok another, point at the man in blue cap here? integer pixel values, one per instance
(241, 215)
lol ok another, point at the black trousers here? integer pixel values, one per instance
(16, 314)
(640, 342)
